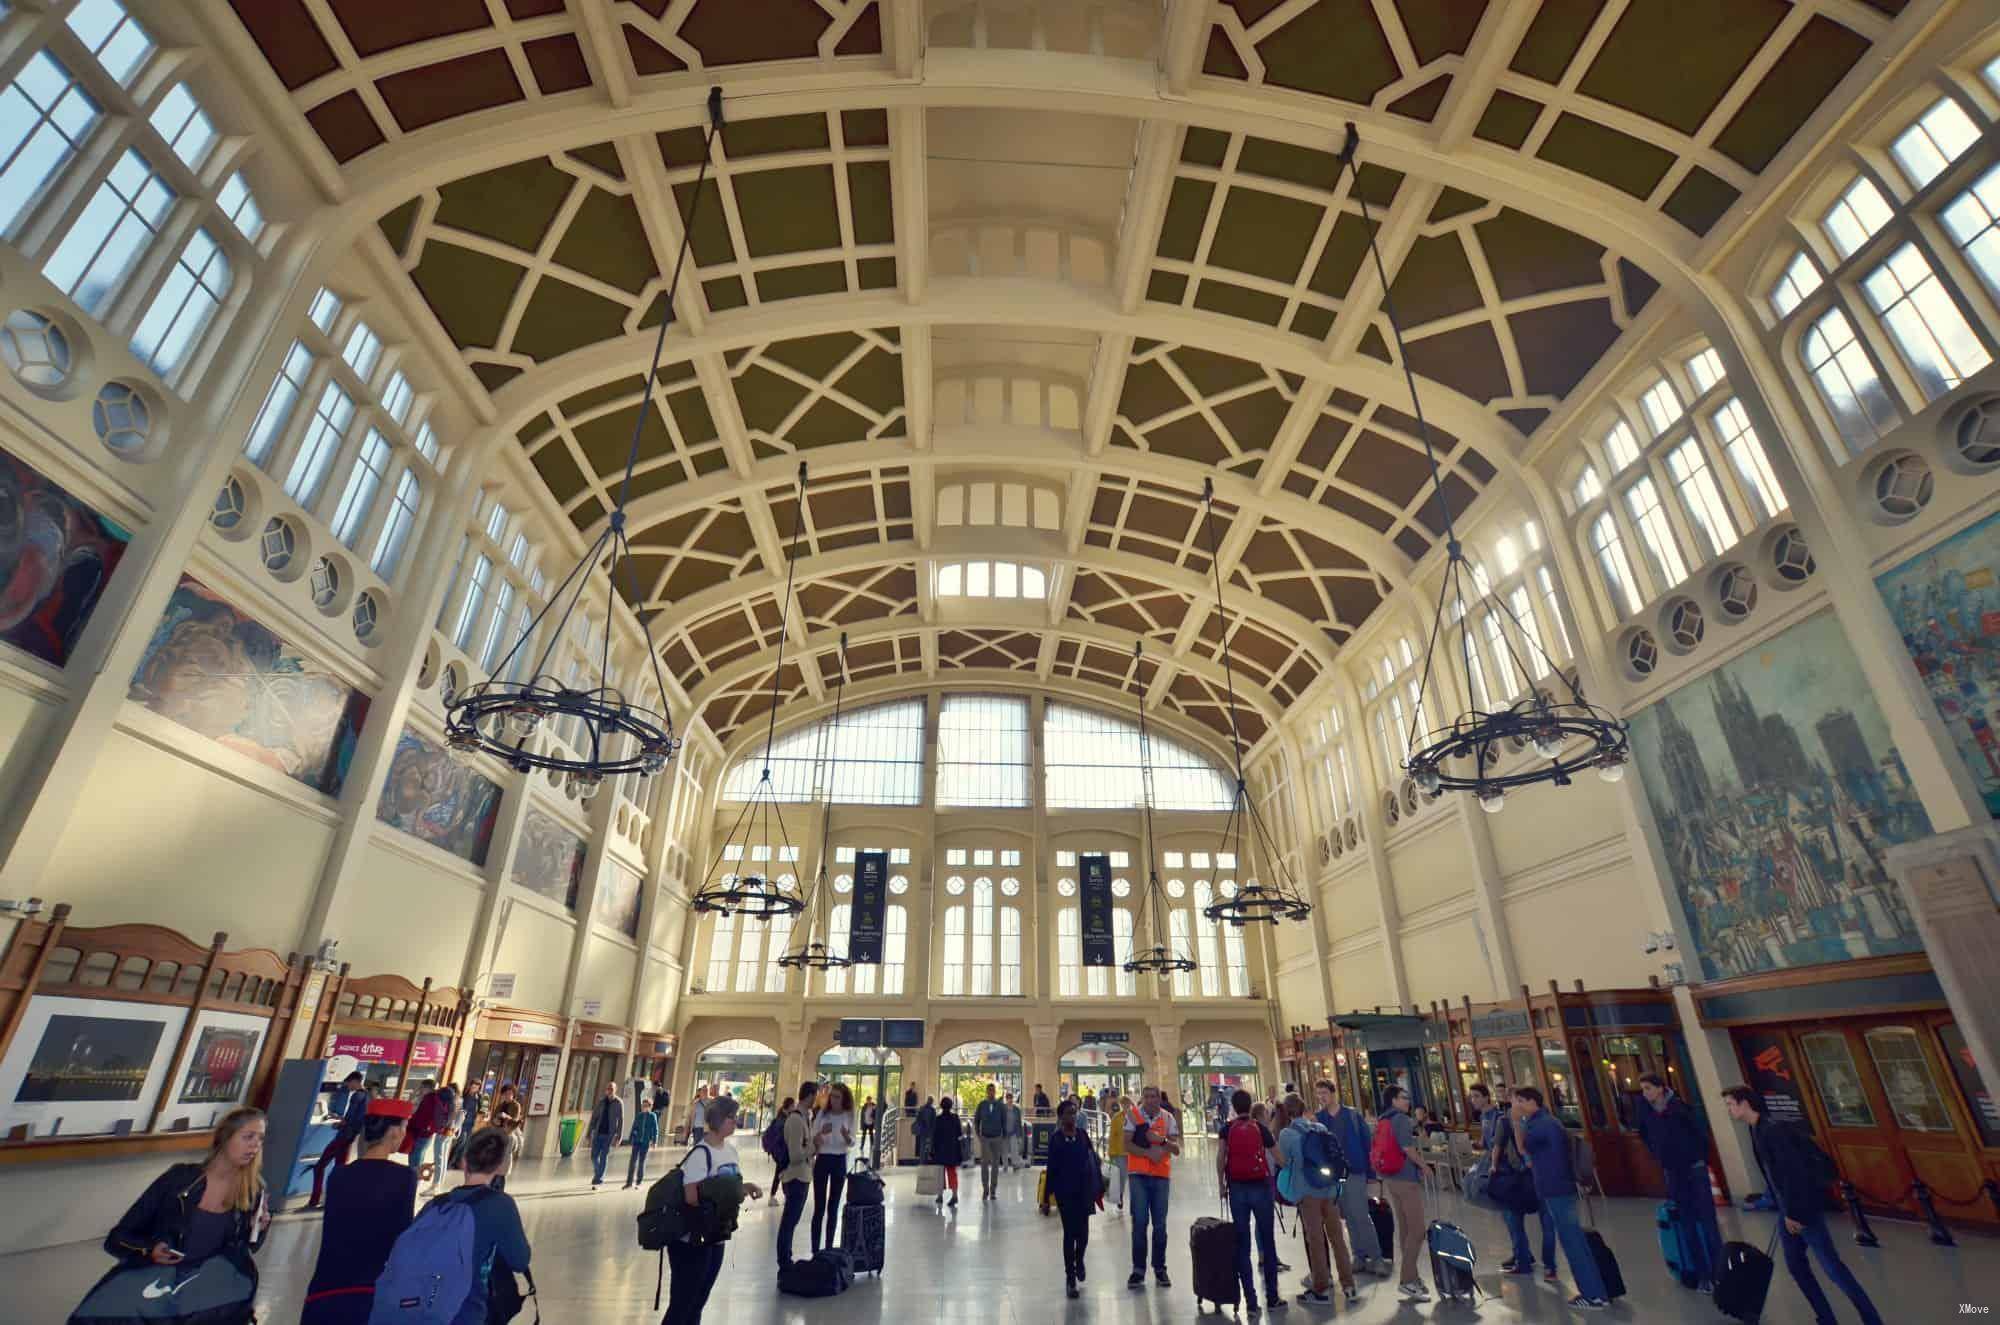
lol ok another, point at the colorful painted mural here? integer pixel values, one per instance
(432, 796)
(1947, 605)
(549, 860)
(56, 555)
(222, 675)
(618, 900)
(1776, 790)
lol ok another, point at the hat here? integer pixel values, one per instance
(380, 1108)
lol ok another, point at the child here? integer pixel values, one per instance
(645, 1131)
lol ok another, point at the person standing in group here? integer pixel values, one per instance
(509, 1117)
(870, 1116)
(1249, 1156)
(1679, 1145)
(1393, 1157)
(1796, 1173)
(1114, 1148)
(947, 1147)
(989, 1124)
(1313, 1188)
(1496, 1138)
(368, 1205)
(1152, 1139)
(471, 1100)
(832, 1137)
(1017, 1149)
(606, 1126)
(1074, 1183)
(697, 1123)
(1546, 1144)
(926, 1123)
(794, 1178)
(349, 1110)
(1350, 1133)
(193, 1211)
(645, 1133)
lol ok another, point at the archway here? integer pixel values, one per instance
(966, 1071)
(869, 1073)
(1089, 1068)
(745, 1070)
(1211, 1071)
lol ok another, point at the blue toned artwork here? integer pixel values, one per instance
(431, 796)
(56, 555)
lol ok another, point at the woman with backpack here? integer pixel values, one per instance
(430, 1278)
(368, 1205)
(1310, 1180)
(1075, 1183)
(948, 1148)
(695, 1258)
(833, 1129)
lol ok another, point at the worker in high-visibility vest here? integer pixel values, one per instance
(1152, 1139)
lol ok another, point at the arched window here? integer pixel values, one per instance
(1937, 342)
(1845, 376)
(953, 981)
(320, 444)
(875, 758)
(118, 224)
(1178, 925)
(1010, 951)
(1747, 458)
(982, 936)
(721, 945)
(195, 287)
(1121, 933)
(1588, 486)
(1208, 948)
(1092, 761)
(1609, 550)
(1656, 534)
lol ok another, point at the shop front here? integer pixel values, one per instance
(747, 1072)
(1089, 1068)
(1213, 1070)
(596, 1055)
(523, 1049)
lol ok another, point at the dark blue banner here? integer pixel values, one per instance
(871, 904)
(859, 1033)
(1098, 949)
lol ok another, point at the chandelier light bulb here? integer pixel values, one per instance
(1427, 779)
(588, 785)
(522, 720)
(1611, 768)
(1493, 800)
(1549, 742)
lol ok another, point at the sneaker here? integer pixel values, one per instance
(1524, 1267)
(1377, 1267)
(1275, 1298)
(1137, 1279)
(953, 1205)
(1319, 1299)
(1414, 1291)
(1160, 1278)
(1350, 1293)
(1582, 1303)
(1551, 1275)
(1252, 1309)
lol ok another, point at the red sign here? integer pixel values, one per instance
(373, 1049)
(1989, 623)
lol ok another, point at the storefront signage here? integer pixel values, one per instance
(608, 1040)
(1319, 1044)
(902, 1034)
(859, 1033)
(1772, 1074)
(545, 1085)
(535, 1032)
(1098, 949)
(1107, 1037)
(1493, 1025)
(501, 984)
(871, 897)
(384, 1049)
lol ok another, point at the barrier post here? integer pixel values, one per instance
(1864, 1236)
(1939, 1233)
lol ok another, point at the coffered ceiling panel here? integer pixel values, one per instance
(1002, 650)
(1197, 699)
(850, 510)
(1126, 603)
(1155, 520)
(875, 659)
(579, 446)
(1195, 404)
(1084, 661)
(844, 386)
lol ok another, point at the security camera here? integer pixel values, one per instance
(1652, 944)
(1667, 941)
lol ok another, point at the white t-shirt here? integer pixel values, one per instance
(708, 1160)
(839, 1139)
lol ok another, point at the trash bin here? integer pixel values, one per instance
(566, 1136)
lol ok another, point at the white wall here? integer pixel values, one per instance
(436, 903)
(534, 945)
(606, 975)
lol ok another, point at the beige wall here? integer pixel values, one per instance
(534, 944)
(606, 975)
(24, 723)
(436, 902)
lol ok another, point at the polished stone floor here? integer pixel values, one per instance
(996, 1264)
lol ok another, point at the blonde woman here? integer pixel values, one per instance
(193, 1211)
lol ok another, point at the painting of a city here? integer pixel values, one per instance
(1947, 606)
(1776, 790)
(90, 1058)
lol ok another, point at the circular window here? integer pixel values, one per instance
(842, 884)
(1392, 808)
(1010, 887)
(126, 420)
(1227, 887)
(1327, 848)
(1736, 592)
(1642, 653)
(280, 548)
(36, 350)
(231, 513)
(1409, 794)
(1352, 832)
(325, 583)
(1066, 887)
(367, 615)
(1903, 485)
(899, 885)
(427, 671)
(454, 681)
(955, 886)
(1791, 556)
(1121, 887)
(1973, 429)
(1175, 888)
(1683, 624)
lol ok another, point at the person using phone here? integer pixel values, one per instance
(193, 1211)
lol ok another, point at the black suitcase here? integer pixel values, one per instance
(1385, 1226)
(1212, 1248)
(1452, 1259)
(862, 1237)
(1744, 1283)
(1607, 1263)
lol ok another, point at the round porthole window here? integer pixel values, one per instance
(1791, 557)
(1012, 887)
(1175, 888)
(1684, 625)
(36, 350)
(1642, 653)
(325, 584)
(955, 886)
(1066, 887)
(1903, 485)
(843, 884)
(281, 546)
(231, 513)
(367, 616)
(1973, 430)
(126, 420)
(1736, 593)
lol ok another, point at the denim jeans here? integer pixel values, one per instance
(788, 1222)
(1361, 1237)
(1694, 1204)
(1517, 1232)
(1815, 1235)
(692, 1269)
(635, 1167)
(433, 1150)
(1582, 1265)
(1252, 1205)
(1149, 1201)
(600, 1155)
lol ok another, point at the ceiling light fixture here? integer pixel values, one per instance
(813, 954)
(757, 895)
(1568, 734)
(1160, 959)
(1253, 900)
(614, 735)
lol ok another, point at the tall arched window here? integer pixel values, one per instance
(1069, 952)
(982, 936)
(1178, 923)
(839, 932)
(1845, 376)
(1609, 550)
(777, 942)
(982, 929)
(721, 944)
(1208, 947)
(952, 981)
(895, 949)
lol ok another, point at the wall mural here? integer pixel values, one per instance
(1947, 605)
(219, 673)
(56, 555)
(432, 796)
(618, 903)
(1776, 790)
(549, 860)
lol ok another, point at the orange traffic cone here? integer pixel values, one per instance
(1715, 1187)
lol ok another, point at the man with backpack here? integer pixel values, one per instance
(607, 1125)
(455, 1264)
(1797, 1173)
(1349, 1131)
(695, 1257)
(1249, 1158)
(1392, 1156)
(785, 1143)
(1313, 1174)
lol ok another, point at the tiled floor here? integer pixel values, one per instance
(997, 1264)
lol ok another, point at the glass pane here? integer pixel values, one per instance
(1832, 1069)
(1907, 1080)
(1587, 1083)
(1959, 1054)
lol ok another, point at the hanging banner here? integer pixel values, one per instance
(1097, 946)
(871, 898)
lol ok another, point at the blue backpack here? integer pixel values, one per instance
(1322, 1156)
(430, 1271)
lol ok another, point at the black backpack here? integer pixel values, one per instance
(665, 1214)
(774, 1143)
(863, 1187)
(825, 1273)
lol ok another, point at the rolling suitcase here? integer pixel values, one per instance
(862, 1237)
(1745, 1280)
(1452, 1259)
(1212, 1248)
(1673, 1249)
(1607, 1264)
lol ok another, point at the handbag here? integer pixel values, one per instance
(1477, 1181)
(1512, 1189)
(220, 1290)
(930, 1179)
(504, 1298)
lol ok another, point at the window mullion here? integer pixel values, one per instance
(1741, 509)
(32, 33)
(52, 220)
(381, 504)
(285, 446)
(1961, 284)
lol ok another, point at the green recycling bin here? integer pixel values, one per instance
(566, 1136)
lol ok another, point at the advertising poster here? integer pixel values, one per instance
(871, 897)
(1098, 949)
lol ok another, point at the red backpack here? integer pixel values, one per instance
(1385, 1154)
(1244, 1158)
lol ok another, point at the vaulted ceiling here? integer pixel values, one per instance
(1097, 250)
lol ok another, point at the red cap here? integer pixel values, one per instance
(381, 1108)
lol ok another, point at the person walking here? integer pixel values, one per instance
(606, 1126)
(645, 1134)
(947, 1147)
(499, 1243)
(429, 1132)
(1017, 1149)
(1114, 1149)
(1308, 1180)
(989, 1123)
(697, 1123)
(1152, 1139)
(1041, 1099)
(1496, 1138)
(1546, 1144)
(368, 1205)
(510, 1119)
(193, 1211)
(1393, 1157)
(1248, 1157)
(794, 1179)
(349, 1109)
(1796, 1173)
(1679, 1145)
(1349, 1131)
(832, 1137)
(1076, 1185)
(926, 1123)
(471, 1100)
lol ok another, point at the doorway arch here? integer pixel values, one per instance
(746, 1071)
(869, 1073)
(966, 1070)
(1088, 1068)
(1211, 1070)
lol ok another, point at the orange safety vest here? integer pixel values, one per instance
(1154, 1161)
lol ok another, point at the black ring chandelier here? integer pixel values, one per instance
(500, 717)
(1253, 901)
(1569, 734)
(1160, 959)
(812, 954)
(760, 896)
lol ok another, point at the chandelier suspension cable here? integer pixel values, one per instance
(1159, 959)
(812, 953)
